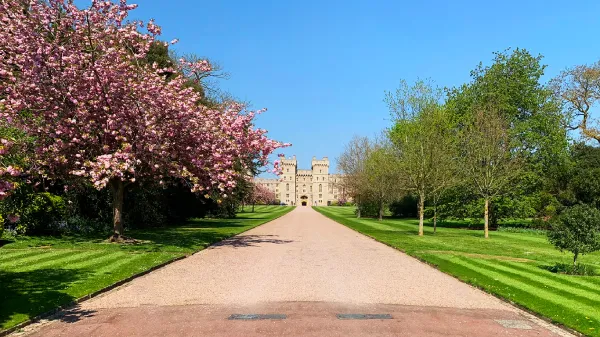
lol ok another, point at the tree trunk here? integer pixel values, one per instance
(357, 208)
(253, 207)
(486, 221)
(575, 258)
(434, 219)
(380, 210)
(421, 213)
(117, 189)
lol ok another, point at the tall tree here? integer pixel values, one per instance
(381, 177)
(512, 85)
(579, 89)
(78, 81)
(422, 136)
(351, 164)
(487, 157)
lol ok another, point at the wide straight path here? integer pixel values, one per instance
(304, 270)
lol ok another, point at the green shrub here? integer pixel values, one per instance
(37, 212)
(577, 230)
(569, 269)
(368, 210)
(405, 207)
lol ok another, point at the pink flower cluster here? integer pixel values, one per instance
(97, 110)
(261, 195)
(7, 171)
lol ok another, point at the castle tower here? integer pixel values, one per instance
(287, 184)
(320, 181)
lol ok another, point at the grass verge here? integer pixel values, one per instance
(38, 274)
(513, 266)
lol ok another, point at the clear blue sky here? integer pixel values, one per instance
(321, 67)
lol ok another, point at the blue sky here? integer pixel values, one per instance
(321, 67)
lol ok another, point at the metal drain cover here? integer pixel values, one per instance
(364, 316)
(514, 324)
(253, 317)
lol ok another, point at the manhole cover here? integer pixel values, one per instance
(251, 317)
(364, 316)
(514, 324)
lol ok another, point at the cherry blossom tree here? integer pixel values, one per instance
(75, 80)
(260, 195)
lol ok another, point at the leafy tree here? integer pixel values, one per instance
(423, 138)
(351, 163)
(579, 180)
(579, 89)
(487, 157)
(381, 173)
(77, 81)
(260, 195)
(577, 230)
(512, 85)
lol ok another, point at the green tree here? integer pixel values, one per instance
(351, 163)
(487, 157)
(512, 85)
(381, 177)
(576, 230)
(423, 137)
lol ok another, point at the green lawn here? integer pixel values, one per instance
(509, 265)
(38, 274)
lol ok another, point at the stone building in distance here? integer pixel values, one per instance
(314, 187)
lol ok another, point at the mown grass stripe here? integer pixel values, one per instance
(558, 313)
(97, 261)
(98, 277)
(33, 259)
(567, 280)
(61, 261)
(548, 296)
(6, 254)
(547, 283)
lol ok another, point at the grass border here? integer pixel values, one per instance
(545, 319)
(117, 284)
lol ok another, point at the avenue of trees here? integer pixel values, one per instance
(504, 145)
(100, 122)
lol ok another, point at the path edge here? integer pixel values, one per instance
(120, 283)
(555, 327)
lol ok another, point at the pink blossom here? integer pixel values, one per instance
(103, 115)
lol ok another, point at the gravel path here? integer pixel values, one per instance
(302, 256)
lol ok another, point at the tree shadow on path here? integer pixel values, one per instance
(250, 241)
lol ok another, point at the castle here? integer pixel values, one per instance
(314, 187)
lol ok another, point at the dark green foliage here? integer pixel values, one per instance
(38, 212)
(578, 181)
(577, 230)
(570, 269)
(369, 209)
(152, 205)
(89, 210)
(405, 207)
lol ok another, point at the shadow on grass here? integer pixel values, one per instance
(250, 241)
(5, 242)
(24, 295)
